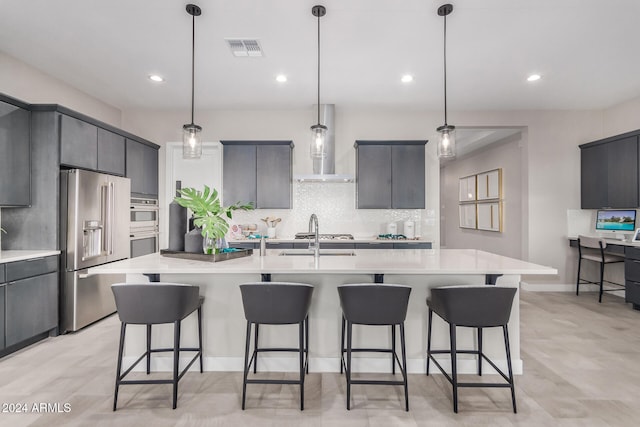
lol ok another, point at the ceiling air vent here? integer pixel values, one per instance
(245, 47)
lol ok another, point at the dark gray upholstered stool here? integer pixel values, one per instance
(276, 303)
(152, 304)
(592, 249)
(378, 305)
(474, 307)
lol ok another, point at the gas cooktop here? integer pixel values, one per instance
(339, 236)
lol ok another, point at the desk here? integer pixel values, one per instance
(631, 253)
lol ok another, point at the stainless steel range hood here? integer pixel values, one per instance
(324, 169)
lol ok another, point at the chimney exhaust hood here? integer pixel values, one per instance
(324, 168)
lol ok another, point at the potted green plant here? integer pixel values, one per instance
(209, 214)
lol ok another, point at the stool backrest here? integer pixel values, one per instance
(154, 303)
(276, 303)
(475, 306)
(374, 303)
(592, 242)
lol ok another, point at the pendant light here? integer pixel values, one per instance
(191, 143)
(318, 131)
(447, 142)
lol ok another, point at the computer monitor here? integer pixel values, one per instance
(616, 221)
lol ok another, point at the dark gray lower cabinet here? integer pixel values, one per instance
(28, 300)
(245, 245)
(3, 288)
(407, 245)
(31, 307)
(374, 245)
(632, 276)
(15, 157)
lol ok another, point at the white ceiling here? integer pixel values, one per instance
(586, 50)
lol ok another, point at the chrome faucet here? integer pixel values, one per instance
(313, 227)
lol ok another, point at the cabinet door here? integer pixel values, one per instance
(31, 307)
(407, 177)
(239, 174)
(135, 166)
(622, 173)
(593, 177)
(150, 170)
(3, 288)
(273, 185)
(15, 176)
(78, 143)
(374, 177)
(111, 152)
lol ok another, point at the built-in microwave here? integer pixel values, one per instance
(144, 227)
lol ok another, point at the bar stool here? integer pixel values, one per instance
(474, 307)
(374, 304)
(276, 303)
(153, 304)
(592, 249)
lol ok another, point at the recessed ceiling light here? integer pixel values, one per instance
(281, 78)
(155, 78)
(407, 78)
(534, 77)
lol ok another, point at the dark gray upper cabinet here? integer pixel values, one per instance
(609, 173)
(259, 172)
(78, 143)
(3, 288)
(390, 174)
(111, 152)
(15, 157)
(142, 168)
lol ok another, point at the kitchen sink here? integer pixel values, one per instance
(323, 252)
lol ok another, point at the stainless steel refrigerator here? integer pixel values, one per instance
(94, 226)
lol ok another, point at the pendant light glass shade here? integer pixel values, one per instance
(318, 131)
(447, 141)
(318, 146)
(191, 142)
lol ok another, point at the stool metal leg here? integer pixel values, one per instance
(342, 345)
(480, 351)
(601, 281)
(148, 349)
(429, 339)
(200, 337)
(393, 349)
(508, 350)
(404, 367)
(255, 346)
(246, 363)
(306, 342)
(454, 368)
(349, 334)
(176, 361)
(301, 340)
(123, 328)
(578, 279)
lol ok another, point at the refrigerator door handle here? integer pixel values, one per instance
(104, 213)
(110, 219)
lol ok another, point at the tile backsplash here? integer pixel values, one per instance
(335, 206)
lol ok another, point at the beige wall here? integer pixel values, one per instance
(23, 82)
(506, 156)
(621, 118)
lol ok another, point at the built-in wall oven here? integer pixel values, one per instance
(144, 226)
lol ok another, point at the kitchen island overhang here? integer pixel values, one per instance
(422, 269)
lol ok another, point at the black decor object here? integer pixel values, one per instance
(177, 223)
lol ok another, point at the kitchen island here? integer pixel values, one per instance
(224, 323)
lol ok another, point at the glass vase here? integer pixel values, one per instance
(209, 245)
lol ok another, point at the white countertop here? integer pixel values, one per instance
(21, 255)
(366, 261)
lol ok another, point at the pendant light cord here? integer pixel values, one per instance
(445, 70)
(193, 55)
(318, 68)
